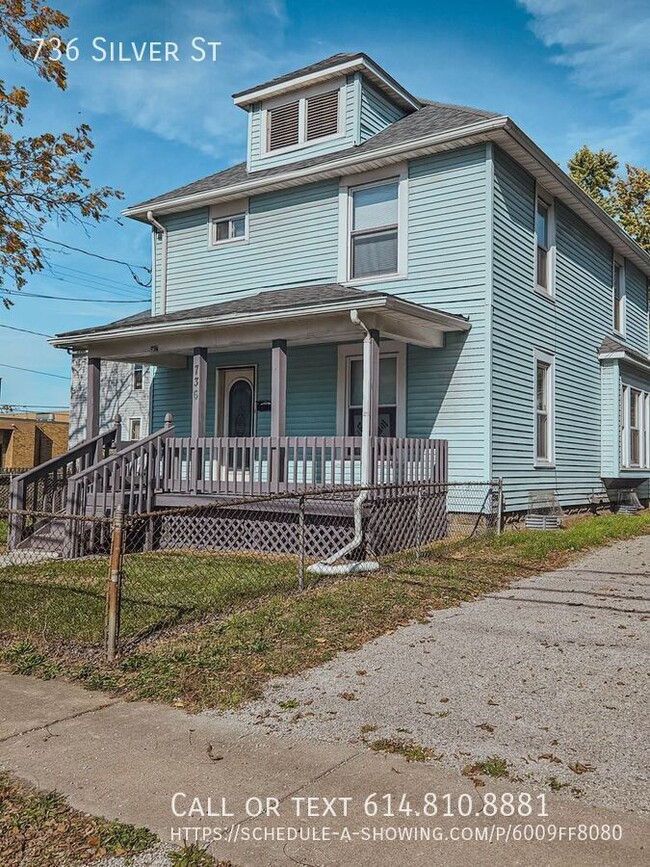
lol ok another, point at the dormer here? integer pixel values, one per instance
(329, 106)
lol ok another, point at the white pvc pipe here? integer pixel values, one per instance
(325, 567)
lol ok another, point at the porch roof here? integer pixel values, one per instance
(300, 315)
(611, 348)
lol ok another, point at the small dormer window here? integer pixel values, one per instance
(310, 118)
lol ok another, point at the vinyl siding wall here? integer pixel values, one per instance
(571, 328)
(447, 256)
(376, 112)
(292, 241)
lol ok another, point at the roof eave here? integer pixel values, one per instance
(337, 166)
(361, 63)
(444, 321)
(628, 358)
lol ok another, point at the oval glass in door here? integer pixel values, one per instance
(240, 409)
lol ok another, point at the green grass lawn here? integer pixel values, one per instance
(66, 600)
(265, 628)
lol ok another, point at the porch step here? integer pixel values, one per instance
(46, 538)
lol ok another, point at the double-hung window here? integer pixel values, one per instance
(387, 412)
(635, 428)
(135, 428)
(544, 409)
(374, 230)
(138, 377)
(544, 241)
(618, 295)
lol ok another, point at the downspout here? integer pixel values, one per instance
(326, 567)
(162, 301)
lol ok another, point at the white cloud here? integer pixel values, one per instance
(186, 101)
(605, 45)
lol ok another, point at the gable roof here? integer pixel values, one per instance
(435, 117)
(327, 63)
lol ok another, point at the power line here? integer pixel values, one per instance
(128, 265)
(25, 330)
(24, 294)
(29, 370)
(101, 278)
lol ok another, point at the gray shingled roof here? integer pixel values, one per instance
(269, 301)
(609, 344)
(432, 118)
(334, 60)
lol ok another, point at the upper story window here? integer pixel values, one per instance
(618, 295)
(309, 118)
(544, 409)
(138, 378)
(374, 230)
(229, 222)
(544, 246)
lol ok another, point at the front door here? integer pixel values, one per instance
(238, 401)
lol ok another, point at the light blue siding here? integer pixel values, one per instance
(636, 309)
(376, 112)
(571, 328)
(256, 160)
(447, 269)
(292, 241)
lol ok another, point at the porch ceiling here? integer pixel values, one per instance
(301, 315)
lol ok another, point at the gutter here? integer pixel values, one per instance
(401, 150)
(442, 320)
(158, 227)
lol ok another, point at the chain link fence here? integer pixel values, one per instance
(111, 582)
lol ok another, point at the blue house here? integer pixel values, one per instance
(387, 265)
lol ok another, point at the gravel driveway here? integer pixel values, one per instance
(547, 675)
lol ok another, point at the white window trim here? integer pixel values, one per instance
(620, 261)
(643, 428)
(227, 242)
(545, 358)
(131, 420)
(547, 200)
(348, 351)
(301, 98)
(133, 385)
(346, 188)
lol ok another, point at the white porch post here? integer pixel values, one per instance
(370, 403)
(92, 397)
(199, 390)
(278, 388)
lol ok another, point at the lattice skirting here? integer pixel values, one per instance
(390, 524)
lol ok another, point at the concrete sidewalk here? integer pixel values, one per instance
(126, 761)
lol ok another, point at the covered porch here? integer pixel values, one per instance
(235, 413)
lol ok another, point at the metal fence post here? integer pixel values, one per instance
(500, 506)
(301, 543)
(114, 586)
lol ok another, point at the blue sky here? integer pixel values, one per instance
(568, 71)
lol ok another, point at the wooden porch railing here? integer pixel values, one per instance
(43, 488)
(249, 466)
(128, 478)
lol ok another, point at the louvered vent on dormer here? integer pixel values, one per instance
(323, 114)
(283, 126)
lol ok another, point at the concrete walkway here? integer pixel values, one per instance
(126, 761)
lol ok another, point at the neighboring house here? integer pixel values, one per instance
(28, 439)
(124, 391)
(506, 312)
